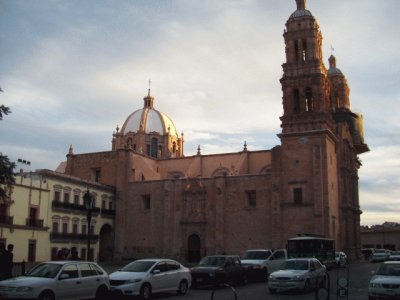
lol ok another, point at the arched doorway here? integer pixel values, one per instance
(194, 248)
(106, 243)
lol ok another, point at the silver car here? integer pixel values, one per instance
(385, 284)
(147, 276)
(299, 274)
(58, 280)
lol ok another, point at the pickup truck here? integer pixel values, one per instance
(259, 263)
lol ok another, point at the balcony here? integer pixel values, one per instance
(63, 206)
(60, 236)
(6, 220)
(32, 222)
(108, 212)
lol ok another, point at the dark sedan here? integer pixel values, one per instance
(218, 269)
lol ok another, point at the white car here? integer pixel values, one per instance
(147, 276)
(385, 284)
(380, 255)
(58, 280)
(255, 263)
(298, 273)
(394, 255)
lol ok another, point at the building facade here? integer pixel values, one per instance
(46, 213)
(186, 207)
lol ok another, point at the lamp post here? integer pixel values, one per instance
(88, 200)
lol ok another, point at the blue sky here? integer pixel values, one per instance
(73, 70)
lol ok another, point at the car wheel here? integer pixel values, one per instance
(101, 293)
(183, 287)
(46, 295)
(272, 291)
(145, 292)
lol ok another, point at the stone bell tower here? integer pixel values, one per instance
(320, 141)
(308, 175)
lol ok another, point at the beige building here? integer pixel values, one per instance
(46, 213)
(170, 205)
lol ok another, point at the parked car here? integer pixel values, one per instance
(340, 259)
(147, 276)
(299, 274)
(394, 255)
(385, 284)
(218, 269)
(58, 280)
(380, 255)
(255, 263)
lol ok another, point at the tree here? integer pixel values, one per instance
(7, 179)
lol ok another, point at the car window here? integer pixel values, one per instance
(236, 260)
(45, 270)
(317, 265)
(173, 265)
(389, 270)
(279, 254)
(257, 254)
(295, 265)
(97, 268)
(86, 270)
(71, 270)
(162, 266)
(138, 266)
(212, 261)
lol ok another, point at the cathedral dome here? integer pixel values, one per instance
(148, 120)
(332, 67)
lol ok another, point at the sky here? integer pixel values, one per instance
(71, 71)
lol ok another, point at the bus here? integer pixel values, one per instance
(313, 246)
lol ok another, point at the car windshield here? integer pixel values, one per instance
(395, 253)
(380, 251)
(45, 270)
(212, 261)
(295, 265)
(138, 266)
(256, 255)
(389, 270)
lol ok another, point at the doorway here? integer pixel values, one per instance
(194, 246)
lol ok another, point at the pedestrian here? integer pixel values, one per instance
(60, 255)
(9, 260)
(3, 261)
(74, 254)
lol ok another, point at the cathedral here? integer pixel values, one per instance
(186, 207)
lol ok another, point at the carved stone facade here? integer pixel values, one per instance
(187, 207)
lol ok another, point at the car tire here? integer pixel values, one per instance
(183, 287)
(145, 291)
(272, 291)
(46, 295)
(101, 293)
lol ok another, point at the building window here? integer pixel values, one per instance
(54, 251)
(96, 175)
(76, 199)
(154, 147)
(251, 198)
(146, 202)
(66, 197)
(309, 100)
(57, 195)
(32, 250)
(148, 149)
(103, 204)
(65, 228)
(298, 195)
(83, 253)
(84, 231)
(55, 227)
(296, 101)
(110, 205)
(75, 228)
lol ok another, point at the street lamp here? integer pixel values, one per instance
(89, 201)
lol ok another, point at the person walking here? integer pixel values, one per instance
(3, 261)
(9, 261)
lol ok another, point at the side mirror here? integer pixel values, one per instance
(63, 276)
(156, 271)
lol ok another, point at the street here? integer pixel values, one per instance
(357, 275)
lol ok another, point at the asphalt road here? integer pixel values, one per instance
(356, 274)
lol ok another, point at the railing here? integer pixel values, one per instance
(6, 219)
(72, 206)
(32, 222)
(72, 236)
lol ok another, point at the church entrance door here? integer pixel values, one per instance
(194, 248)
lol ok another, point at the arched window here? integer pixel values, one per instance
(296, 50)
(154, 147)
(304, 51)
(173, 147)
(296, 101)
(309, 100)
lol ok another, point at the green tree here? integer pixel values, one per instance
(7, 179)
